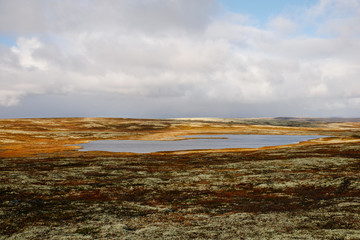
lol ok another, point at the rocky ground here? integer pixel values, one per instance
(49, 190)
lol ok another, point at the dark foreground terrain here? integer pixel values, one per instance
(49, 190)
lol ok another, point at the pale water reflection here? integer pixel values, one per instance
(201, 142)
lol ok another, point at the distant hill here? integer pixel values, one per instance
(328, 120)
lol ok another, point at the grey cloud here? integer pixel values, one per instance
(150, 16)
(152, 55)
(21, 17)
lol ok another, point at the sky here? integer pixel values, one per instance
(179, 58)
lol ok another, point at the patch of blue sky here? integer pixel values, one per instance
(261, 11)
(7, 40)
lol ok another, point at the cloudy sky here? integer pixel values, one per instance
(179, 58)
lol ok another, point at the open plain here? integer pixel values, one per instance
(49, 190)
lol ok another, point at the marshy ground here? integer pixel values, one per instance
(49, 190)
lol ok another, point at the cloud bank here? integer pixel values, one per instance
(183, 53)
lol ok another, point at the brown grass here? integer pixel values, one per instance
(50, 190)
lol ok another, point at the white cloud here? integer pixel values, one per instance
(319, 89)
(282, 25)
(10, 98)
(25, 50)
(179, 50)
(335, 17)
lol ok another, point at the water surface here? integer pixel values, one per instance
(201, 142)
